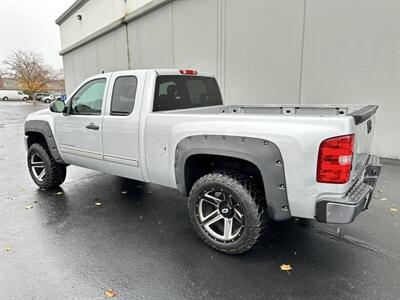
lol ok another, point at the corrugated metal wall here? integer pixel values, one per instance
(268, 52)
(107, 53)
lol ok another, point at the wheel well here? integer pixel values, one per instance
(36, 137)
(199, 165)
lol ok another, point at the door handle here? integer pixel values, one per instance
(92, 126)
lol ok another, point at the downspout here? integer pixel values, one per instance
(128, 49)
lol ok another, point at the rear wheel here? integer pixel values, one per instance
(5, 98)
(44, 170)
(226, 210)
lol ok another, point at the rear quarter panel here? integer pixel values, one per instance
(297, 137)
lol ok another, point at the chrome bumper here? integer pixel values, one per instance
(346, 209)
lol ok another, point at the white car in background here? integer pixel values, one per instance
(13, 95)
(52, 97)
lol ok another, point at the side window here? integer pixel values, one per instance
(89, 98)
(20, 93)
(123, 95)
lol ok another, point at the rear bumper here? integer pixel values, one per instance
(346, 209)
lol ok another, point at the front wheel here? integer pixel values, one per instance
(44, 170)
(25, 99)
(226, 210)
(5, 98)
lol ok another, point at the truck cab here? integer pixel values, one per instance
(116, 102)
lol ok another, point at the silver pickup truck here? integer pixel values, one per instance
(239, 165)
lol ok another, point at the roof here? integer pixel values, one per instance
(133, 15)
(154, 4)
(72, 9)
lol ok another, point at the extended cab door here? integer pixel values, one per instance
(121, 124)
(79, 132)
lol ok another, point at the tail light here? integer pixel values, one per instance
(335, 159)
(188, 72)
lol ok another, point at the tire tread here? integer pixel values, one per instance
(236, 181)
(56, 174)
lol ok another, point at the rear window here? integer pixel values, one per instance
(178, 92)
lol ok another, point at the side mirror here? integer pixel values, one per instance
(57, 106)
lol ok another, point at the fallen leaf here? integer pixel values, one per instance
(59, 193)
(124, 192)
(380, 191)
(383, 199)
(99, 204)
(285, 267)
(35, 201)
(28, 206)
(393, 209)
(110, 293)
(7, 248)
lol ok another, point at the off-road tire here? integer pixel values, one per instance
(55, 173)
(252, 203)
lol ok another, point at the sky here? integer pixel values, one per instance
(30, 25)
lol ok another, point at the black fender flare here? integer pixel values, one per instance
(43, 127)
(264, 154)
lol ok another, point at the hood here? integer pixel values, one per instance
(39, 113)
(44, 111)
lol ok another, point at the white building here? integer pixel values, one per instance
(271, 51)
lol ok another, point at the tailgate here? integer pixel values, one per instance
(364, 119)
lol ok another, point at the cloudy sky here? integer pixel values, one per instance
(29, 25)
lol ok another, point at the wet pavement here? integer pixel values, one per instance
(140, 242)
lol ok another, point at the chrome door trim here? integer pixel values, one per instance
(81, 152)
(121, 160)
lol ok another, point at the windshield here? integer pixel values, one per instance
(179, 92)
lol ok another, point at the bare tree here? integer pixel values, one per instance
(30, 70)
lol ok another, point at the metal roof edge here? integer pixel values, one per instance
(145, 9)
(132, 16)
(95, 35)
(72, 9)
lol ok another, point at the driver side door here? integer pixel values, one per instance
(79, 132)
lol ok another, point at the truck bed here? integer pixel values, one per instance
(292, 128)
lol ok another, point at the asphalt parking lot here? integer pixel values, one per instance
(60, 245)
